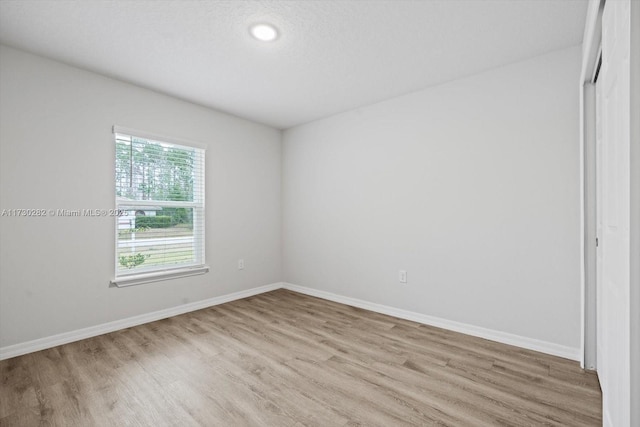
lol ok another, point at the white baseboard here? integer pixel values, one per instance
(92, 331)
(477, 331)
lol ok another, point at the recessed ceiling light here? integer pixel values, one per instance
(264, 32)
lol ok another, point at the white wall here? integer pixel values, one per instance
(57, 152)
(471, 186)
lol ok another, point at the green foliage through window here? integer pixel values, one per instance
(159, 221)
(131, 261)
(148, 170)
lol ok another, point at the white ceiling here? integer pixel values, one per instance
(331, 56)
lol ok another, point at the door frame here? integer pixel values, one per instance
(590, 51)
(635, 212)
(590, 58)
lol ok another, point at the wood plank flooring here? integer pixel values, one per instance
(286, 359)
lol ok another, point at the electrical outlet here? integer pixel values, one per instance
(402, 276)
(241, 264)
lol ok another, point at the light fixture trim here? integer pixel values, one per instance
(264, 32)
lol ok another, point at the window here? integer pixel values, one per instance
(160, 204)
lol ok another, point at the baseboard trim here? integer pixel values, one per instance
(92, 331)
(490, 334)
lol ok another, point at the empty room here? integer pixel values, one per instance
(320, 213)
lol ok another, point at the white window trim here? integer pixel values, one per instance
(171, 273)
(157, 276)
(157, 137)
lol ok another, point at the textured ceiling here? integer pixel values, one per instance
(331, 55)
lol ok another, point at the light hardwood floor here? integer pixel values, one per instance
(284, 359)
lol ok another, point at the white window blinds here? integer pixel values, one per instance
(160, 199)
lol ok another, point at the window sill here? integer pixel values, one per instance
(139, 279)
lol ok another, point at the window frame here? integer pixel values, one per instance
(164, 272)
